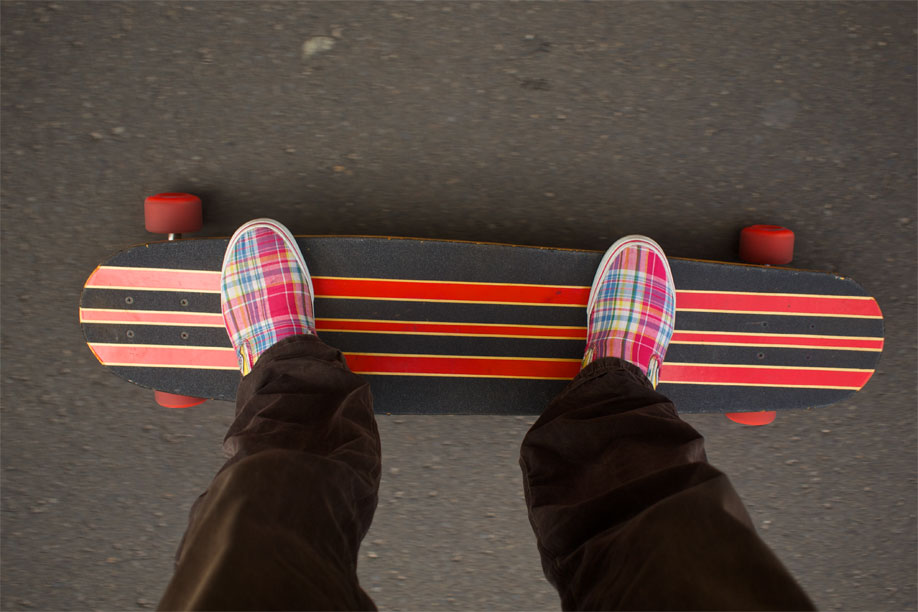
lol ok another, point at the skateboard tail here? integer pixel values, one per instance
(82, 321)
(94, 353)
(882, 338)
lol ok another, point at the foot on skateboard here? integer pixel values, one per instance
(265, 290)
(631, 311)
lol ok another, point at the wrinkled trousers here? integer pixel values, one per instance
(626, 511)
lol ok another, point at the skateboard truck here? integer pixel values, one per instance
(173, 214)
(770, 245)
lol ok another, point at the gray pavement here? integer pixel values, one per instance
(535, 123)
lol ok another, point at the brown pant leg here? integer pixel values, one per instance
(627, 512)
(281, 523)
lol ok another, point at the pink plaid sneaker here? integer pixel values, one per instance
(265, 290)
(632, 308)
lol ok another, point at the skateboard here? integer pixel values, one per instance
(445, 327)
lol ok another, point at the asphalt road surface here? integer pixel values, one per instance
(536, 123)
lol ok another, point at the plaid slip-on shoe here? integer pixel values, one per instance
(631, 312)
(265, 290)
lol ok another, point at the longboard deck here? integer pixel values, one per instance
(443, 327)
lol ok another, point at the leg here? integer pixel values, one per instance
(629, 515)
(626, 510)
(280, 525)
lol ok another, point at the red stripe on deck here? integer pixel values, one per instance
(154, 279)
(450, 292)
(474, 367)
(166, 356)
(450, 329)
(756, 376)
(192, 319)
(783, 304)
(834, 342)
(334, 287)
(361, 363)
(479, 367)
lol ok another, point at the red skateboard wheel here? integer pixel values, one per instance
(767, 244)
(171, 400)
(765, 417)
(172, 213)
